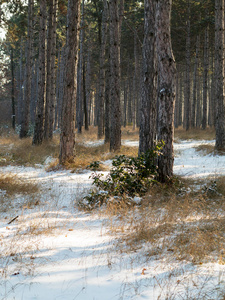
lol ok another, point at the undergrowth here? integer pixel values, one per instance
(129, 177)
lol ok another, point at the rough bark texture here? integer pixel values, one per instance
(205, 79)
(13, 90)
(193, 111)
(147, 134)
(25, 117)
(219, 73)
(48, 68)
(188, 66)
(167, 81)
(115, 134)
(39, 120)
(79, 106)
(67, 137)
(102, 70)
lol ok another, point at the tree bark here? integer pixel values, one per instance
(39, 119)
(193, 111)
(147, 134)
(188, 66)
(13, 90)
(102, 70)
(67, 137)
(167, 82)
(205, 79)
(27, 91)
(115, 134)
(219, 73)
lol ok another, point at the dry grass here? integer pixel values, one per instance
(196, 134)
(12, 185)
(175, 221)
(15, 151)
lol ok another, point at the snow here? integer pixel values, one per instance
(72, 254)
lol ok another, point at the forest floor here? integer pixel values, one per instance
(170, 245)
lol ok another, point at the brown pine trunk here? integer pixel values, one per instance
(205, 79)
(147, 134)
(39, 119)
(25, 117)
(115, 134)
(193, 111)
(67, 137)
(167, 82)
(219, 73)
(102, 70)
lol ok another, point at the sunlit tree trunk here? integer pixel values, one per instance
(67, 137)
(219, 73)
(167, 83)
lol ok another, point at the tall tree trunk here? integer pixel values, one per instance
(53, 72)
(107, 107)
(115, 134)
(188, 66)
(193, 111)
(13, 90)
(48, 68)
(39, 119)
(205, 79)
(88, 83)
(177, 103)
(67, 137)
(167, 82)
(27, 93)
(80, 76)
(86, 126)
(219, 73)
(147, 134)
(102, 70)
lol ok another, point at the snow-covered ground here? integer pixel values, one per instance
(54, 251)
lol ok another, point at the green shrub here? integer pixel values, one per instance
(129, 177)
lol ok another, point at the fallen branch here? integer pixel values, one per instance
(13, 220)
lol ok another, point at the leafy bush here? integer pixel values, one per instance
(129, 177)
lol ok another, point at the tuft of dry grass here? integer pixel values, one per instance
(15, 151)
(12, 185)
(183, 223)
(195, 133)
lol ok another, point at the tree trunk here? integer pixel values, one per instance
(166, 95)
(193, 111)
(67, 137)
(13, 91)
(115, 134)
(102, 70)
(219, 73)
(147, 134)
(188, 66)
(39, 119)
(107, 107)
(27, 91)
(48, 68)
(80, 76)
(205, 79)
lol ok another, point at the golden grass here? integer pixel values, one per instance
(195, 133)
(15, 151)
(12, 184)
(175, 220)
